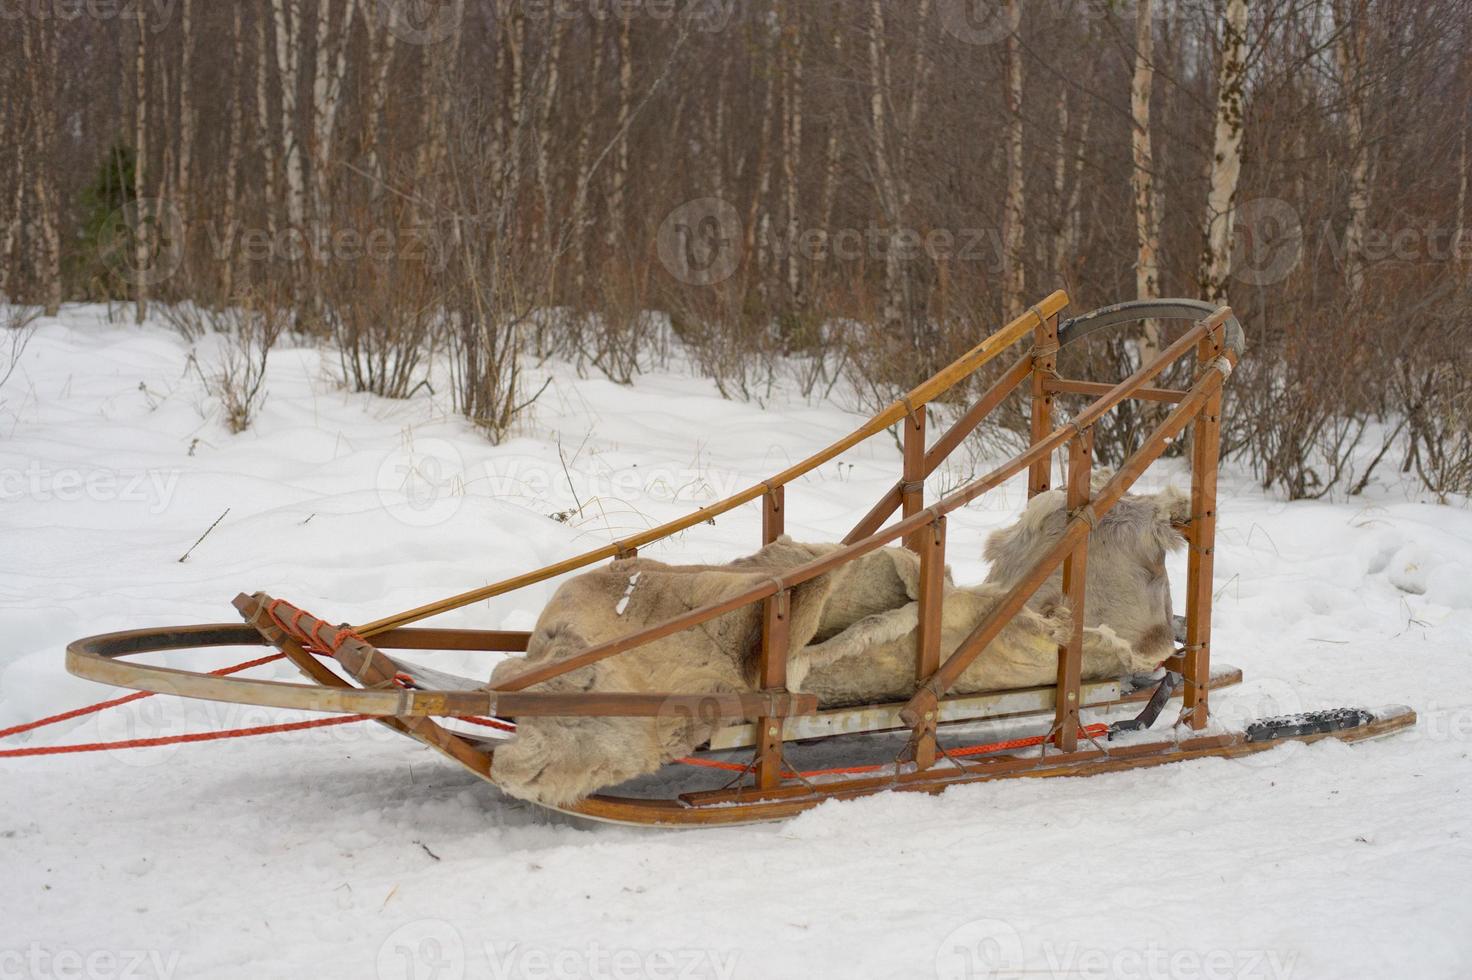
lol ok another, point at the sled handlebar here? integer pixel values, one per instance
(1150, 309)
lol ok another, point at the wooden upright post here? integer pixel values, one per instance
(1044, 370)
(1075, 569)
(932, 543)
(912, 486)
(773, 670)
(1205, 448)
(774, 516)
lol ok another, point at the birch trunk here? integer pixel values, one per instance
(619, 184)
(830, 152)
(12, 130)
(232, 152)
(1459, 236)
(792, 150)
(579, 223)
(289, 43)
(186, 111)
(39, 46)
(327, 74)
(1349, 50)
(1066, 237)
(888, 193)
(1147, 228)
(140, 162)
(1226, 158)
(515, 113)
(1014, 276)
(265, 142)
(381, 46)
(552, 78)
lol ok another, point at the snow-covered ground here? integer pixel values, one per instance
(350, 852)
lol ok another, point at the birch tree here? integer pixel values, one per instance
(140, 164)
(1014, 218)
(39, 42)
(1350, 17)
(290, 42)
(231, 195)
(1147, 226)
(1226, 157)
(328, 70)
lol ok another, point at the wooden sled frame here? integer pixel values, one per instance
(407, 698)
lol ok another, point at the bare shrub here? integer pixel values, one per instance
(17, 327)
(383, 311)
(247, 331)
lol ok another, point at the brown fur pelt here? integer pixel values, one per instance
(852, 637)
(1127, 610)
(558, 760)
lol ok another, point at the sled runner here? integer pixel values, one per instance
(762, 741)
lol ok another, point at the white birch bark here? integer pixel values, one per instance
(182, 183)
(265, 128)
(1226, 158)
(230, 207)
(1147, 233)
(140, 160)
(619, 184)
(289, 44)
(1349, 49)
(792, 148)
(1014, 228)
(328, 69)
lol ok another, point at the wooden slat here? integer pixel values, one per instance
(912, 481)
(955, 709)
(772, 677)
(1075, 570)
(1068, 386)
(927, 646)
(774, 514)
(1044, 367)
(1201, 541)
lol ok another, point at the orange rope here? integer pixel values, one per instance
(137, 696)
(143, 743)
(1090, 731)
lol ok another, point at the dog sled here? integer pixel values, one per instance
(769, 752)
